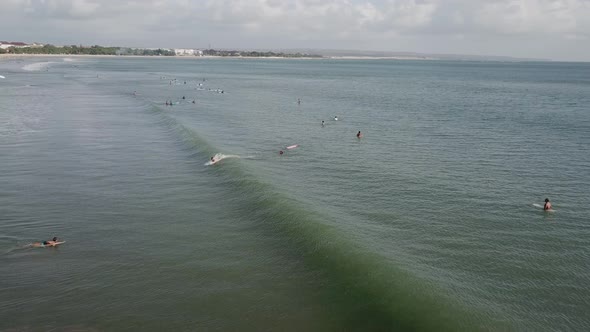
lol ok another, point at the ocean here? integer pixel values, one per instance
(426, 223)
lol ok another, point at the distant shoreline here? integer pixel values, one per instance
(12, 55)
(16, 56)
(7, 56)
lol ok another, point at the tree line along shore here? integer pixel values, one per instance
(107, 50)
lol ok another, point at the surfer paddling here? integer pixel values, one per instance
(49, 243)
(547, 205)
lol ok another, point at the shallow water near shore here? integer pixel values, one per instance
(426, 223)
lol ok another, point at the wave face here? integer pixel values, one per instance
(363, 289)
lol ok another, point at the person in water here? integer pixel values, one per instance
(213, 159)
(547, 205)
(48, 243)
(323, 124)
(281, 152)
(359, 135)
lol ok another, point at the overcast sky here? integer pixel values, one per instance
(553, 29)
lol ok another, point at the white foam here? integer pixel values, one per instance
(2, 76)
(37, 66)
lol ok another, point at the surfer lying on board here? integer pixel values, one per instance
(547, 205)
(48, 243)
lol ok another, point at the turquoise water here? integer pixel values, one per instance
(426, 223)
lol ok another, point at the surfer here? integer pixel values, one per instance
(359, 135)
(323, 124)
(48, 243)
(335, 118)
(213, 159)
(281, 152)
(547, 205)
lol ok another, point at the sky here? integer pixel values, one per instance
(549, 29)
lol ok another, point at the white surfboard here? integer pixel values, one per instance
(292, 146)
(542, 207)
(49, 246)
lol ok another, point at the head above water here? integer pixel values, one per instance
(546, 200)
(54, 239)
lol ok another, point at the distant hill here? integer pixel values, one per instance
(409, 55)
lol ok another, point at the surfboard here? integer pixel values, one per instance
(44, 246)
(2, 76)
(292, 146)
(542, 207)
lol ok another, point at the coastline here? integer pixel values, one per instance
(12, 55)
(354, 57)
(21, 56)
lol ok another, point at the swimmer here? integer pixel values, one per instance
(335, 118)
(194, 102)
(323, 124)
(547, 205)
(298, 101)
(213, 159)
(183, 97)
(48, 243)
(359, 135)
(281, 152)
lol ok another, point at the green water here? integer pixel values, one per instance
(426, 223)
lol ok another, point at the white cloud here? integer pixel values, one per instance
(301, 23)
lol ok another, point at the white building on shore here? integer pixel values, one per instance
(5, 45)
(188, 52)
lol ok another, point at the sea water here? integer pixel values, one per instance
(426, 223)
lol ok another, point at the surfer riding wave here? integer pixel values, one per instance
(218, 157)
